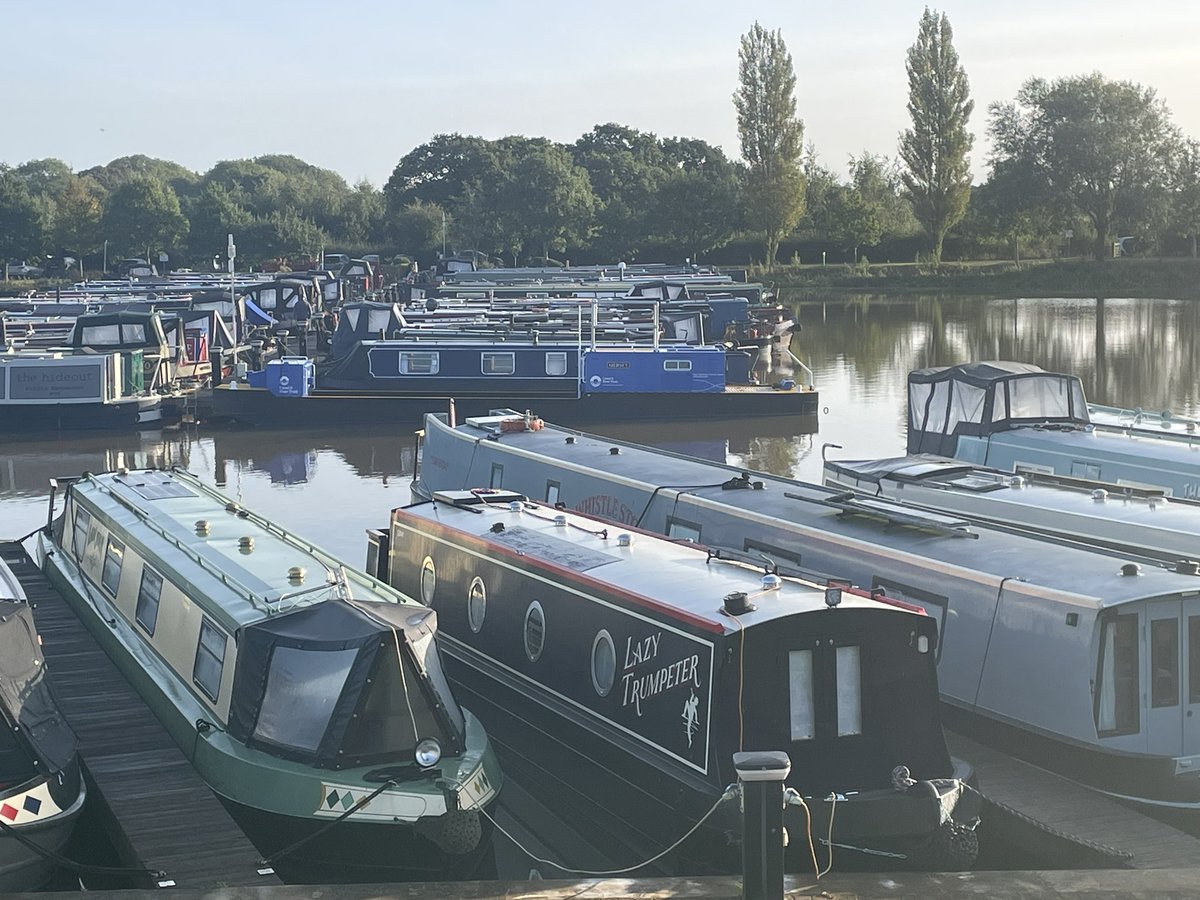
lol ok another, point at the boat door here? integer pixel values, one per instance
(1172, 635)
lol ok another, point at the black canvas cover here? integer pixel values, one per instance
(364, 322)
(121, 330)
(308, 680)
(982, 398)
(28, 702)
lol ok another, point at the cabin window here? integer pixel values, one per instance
(428, 581)
(935, 605)
(1117, 699)
(147, 601)
(800, 694)
(497, 475)
(849, 691)
(266, 299)
(423, 363)
(302, 690)
(682, 530)
(553, 489)
(604, 663)
(677, 365)
(1164, 662)
(133, 334)
(110, 578)
(1193, 659)
(101, 335)
(378, 320)
(1085, 470)
(772, 553)
(535, 631)
(498, 363)
(83, 522)
(351, 316)
(556, 364)
(476, 605)
(210, 657)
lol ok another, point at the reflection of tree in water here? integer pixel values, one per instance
(773, 455)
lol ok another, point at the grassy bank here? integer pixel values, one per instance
(1177, 279)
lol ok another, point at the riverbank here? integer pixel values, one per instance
(1172, 279)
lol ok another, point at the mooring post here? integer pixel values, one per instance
(762, 775)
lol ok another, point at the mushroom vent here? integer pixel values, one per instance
(738, 603)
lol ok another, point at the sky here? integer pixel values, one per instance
(353, 86)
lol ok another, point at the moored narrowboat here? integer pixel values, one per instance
(624, 670)
(310, 697)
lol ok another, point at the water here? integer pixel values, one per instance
(330, 486)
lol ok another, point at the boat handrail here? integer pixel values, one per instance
(808, 375)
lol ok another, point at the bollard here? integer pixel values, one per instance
(762, 775)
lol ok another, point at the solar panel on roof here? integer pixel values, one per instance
(551, 549)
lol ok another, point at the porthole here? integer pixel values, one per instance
(428, 581)
(535, 631)
(476, 605)
(604, 663)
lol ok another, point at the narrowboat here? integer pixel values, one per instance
(308, 696)
(42, 792)
(1019, 417)
(51, 390)
(624, 670)
(1085, 660)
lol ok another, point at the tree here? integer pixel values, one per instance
(77, 216)
(937, 172)
(213, 216)
(22, 226)
(1099, 149)
(547, 200)
(695, 205)
(142, 215)
(1185, 193)
(416, 229)
(626, 169)
(771, 136)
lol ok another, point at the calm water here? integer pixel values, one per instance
(331, 486)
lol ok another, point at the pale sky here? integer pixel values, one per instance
(353, 86)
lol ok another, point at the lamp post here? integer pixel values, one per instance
(104, 269)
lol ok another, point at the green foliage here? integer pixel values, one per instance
(214, 215)
(1089, 147)
(417, 229)
(78, 212)
(22, 220)
(143, 216)
(546, 201)
(181, 180)
(771, 136)
(934, 150)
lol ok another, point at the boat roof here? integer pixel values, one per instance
(240, 564)
(679, 579)
(1093, 576)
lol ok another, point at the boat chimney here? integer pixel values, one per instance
(560, 521)
(624, 539)
(738, 603)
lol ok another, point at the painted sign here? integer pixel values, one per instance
(55, 382)
(605, 506)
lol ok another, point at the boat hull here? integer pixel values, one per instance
(24, 869)
(142, 411)
(258, 406)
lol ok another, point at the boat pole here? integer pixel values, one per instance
(762, 775)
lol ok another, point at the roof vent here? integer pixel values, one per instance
(296, 574)
(771, 582)
(738, 603)
(614, 451)
(1131, 569)
(1099, 495)
(246, 544)
(570, 438)
(1187, 567)
(497, 527)
(560, 521)
(1016, 481)
(514, 505)
(624, 539)
(202, 527)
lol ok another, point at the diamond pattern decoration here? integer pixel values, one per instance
(32, 805)
(8, 812)
(347, 800)
(331, 799)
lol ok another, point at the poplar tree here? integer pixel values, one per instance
(772, 138)
(937, 175)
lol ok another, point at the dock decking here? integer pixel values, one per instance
(161, 815)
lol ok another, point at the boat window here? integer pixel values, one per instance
(772, 553)
(352, 317)
(677, 365)
(266, 298)
(428, 581)
(1193, 658)
(133, 334)
(934, 605)
(147, 601)
(1117, 699)
(682, 530)
(497, 475)
(110, 578)
(498, 363)
(800, 692)
(476, 605)
(604, 663)
(83, 522)
(966, 405)
(378, 320)
(210, 657)
(553, 489)
(303, 687)
(423, 363)
(1085, 470)
(1039, 397)
(1164, 662)
(849, 691)
(101, 335)
(556, 364)
(535, 631)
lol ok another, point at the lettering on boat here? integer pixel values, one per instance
(606, 507)
(638, 686)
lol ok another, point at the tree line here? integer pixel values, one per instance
(1080, 159)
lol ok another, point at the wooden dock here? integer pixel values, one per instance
(160, 814)
(1067, 823)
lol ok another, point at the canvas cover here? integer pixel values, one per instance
(120, 330)
(324, 685)
(364, 322)
(983, 398)
(25, 692)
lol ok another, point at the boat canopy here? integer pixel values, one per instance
(364, 321)
(342, 684)
(122, 330)
(25, 694)
(983, 398)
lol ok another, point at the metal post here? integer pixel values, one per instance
(762, 775)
